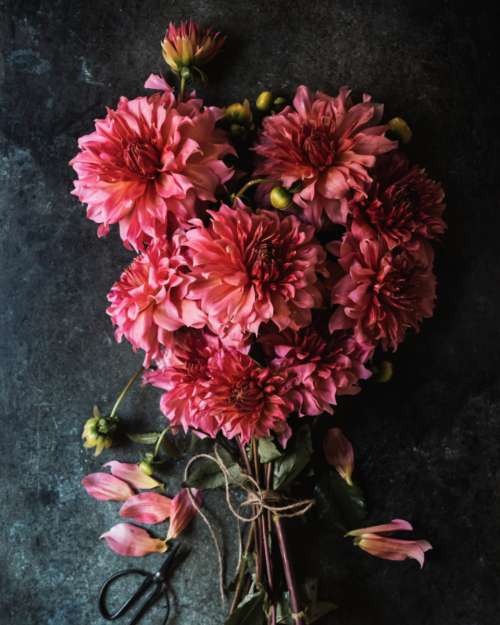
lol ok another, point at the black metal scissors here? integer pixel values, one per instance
(157, 581)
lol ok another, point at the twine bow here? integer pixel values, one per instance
(259, 499)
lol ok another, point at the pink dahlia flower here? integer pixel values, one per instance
(243, 399)
(148, 302)
(327, 145)
(383, 292)
(147, 163)
(403, 204)
(181, 373)
(251, 268)
(323, 369)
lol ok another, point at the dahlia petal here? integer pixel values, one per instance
(105, 487)
(129, 540)
(147, 508)
(132, 474)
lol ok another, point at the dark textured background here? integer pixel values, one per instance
(427, 444)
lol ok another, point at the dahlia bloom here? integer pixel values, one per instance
(190, 46)
(403, 203)
(339, 453)
(250, 268)
(149, 302)
(147, 163)
(243, 399)
(383, 292)
(326, 144)
(128, 540)
(181, 371)
(322, 369)
(370, 540)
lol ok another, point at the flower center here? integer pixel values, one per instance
(318, 143)
(142, 159)
(265, 264)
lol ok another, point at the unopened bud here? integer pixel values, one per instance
(279, 103)
(145, 467)
(236, 130)
(264, 101)
(280, 198)
(384, 372)
(400, 129)
(239, 113)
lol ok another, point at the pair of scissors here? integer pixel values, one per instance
(155, 581)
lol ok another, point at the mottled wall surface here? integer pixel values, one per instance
(427, 444)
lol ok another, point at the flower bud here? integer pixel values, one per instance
(97, 431)
(384, 372)
(400, 128)
(264, 101)
(280, 198)
(279, 104)
(146, 467)
(239, 113)
(236, 131)
(189, 46)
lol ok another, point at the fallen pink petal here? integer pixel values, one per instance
(147, 508)
(369, 539)
(339, 453)
(132, 474)
(129, 540)
(106, 487)
(183, 511)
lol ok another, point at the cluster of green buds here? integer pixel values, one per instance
(98, 431)
(239, 119)
(267, 103)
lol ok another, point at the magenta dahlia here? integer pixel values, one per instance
(250, 268)
(148, 162)
(326, 145)
(403, 203)
(382, 292)
(322, 368)
(149, 302)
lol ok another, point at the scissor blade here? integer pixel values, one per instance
(168, 561)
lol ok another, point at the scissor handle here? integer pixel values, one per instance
(148, 581)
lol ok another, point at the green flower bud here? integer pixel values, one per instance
(400, 129)
(384, 372)
(236, 130)
(239, 113)
(280, 198)
(279, 103)
(264, 101)
(146, 467)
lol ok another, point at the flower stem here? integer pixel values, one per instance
(252, 183)
(182, 88)
(241, 570)
(297, 615)
(124, 392)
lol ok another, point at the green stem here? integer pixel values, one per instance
(125, 390)
(160, 441)
(253, 182)
(182, 88)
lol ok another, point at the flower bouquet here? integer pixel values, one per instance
(279, 250)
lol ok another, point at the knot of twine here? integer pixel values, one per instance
(259, 499)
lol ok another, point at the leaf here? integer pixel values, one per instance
(146, 438)
(339, 504)
(250, 611)
(268, 452)
(206, 474)
(294, 460)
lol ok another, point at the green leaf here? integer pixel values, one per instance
(268, 452)
(146, 438)
(338, 504)
(294, 460)
(250, 611)
(206, 474)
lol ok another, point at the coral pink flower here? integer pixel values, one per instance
(190, 46)
(243, 399)
(252, 268)
(326, 144)
(149, 300)
(339, 453)
(147, 163)
(369, 539)
(147, 508)
(403, 203)
(183, 511)
(131, 473)
(106, 487)
(129, 540)
(323, 369)
(383, 292)
(181, 372)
